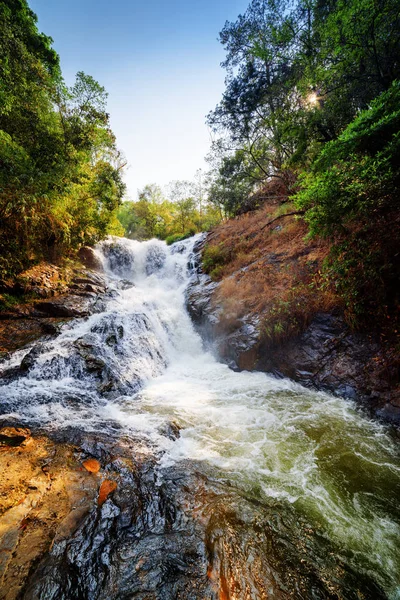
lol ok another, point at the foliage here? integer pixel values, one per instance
(185, 212)
(312, 100)
(351, 196)
(60, 175)
(176, 237)
(214, 258)
(297, 74)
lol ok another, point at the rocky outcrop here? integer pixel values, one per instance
(49, 303)
(84, 291)
(126, 529)
(90, 259)
(329, 356)
(326, 356)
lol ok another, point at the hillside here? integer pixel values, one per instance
(262, 298)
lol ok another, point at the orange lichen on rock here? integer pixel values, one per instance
(92, 465)
(106, 488)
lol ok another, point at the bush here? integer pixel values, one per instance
(214, 258)
(178, 237)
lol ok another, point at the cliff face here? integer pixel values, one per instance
(320, 351)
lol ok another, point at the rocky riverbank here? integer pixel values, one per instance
(82, 515)
(325, 355)
(110, 493)
(40, 299)
(86, 515)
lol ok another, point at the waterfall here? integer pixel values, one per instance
(139, 366)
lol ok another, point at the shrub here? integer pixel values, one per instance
(178, 237)
(214, 257)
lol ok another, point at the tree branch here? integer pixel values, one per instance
(295, 212)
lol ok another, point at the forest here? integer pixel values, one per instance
(309, 120)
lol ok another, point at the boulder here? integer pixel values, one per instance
(65, 306)
(90, 259)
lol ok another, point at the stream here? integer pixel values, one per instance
(272, 490)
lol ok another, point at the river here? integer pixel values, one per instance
(312, 485)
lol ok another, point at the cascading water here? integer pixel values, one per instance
(309, 461)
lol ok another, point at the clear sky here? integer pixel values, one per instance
(159, 62)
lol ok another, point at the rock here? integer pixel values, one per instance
(199, 295)
(124, 284)
(13, 436)
(65, 306)
(29, 359)
(171, 430)
(239, 349)
(170, 533)
(92, 465)
(90, 259)
(50, 327)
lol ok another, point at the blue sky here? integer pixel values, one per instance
(160, 63)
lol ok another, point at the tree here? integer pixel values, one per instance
(297, 74)
(60, 169)
(185, 214)
(351, 197)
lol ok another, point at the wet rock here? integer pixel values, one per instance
(198, 295)
(13, 436)
(199, 303)
(235, 343)
(50, 327)
(154, 534)
(65, 306)
(30, 358)
(120, 259)
(171, 430)
(124, 284)
(240, 347)
(328, 356)
(90, 259)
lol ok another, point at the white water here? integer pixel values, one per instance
(269, 437)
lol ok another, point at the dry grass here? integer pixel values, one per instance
(268, 271)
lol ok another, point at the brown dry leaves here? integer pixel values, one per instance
(107, 486)
(270, 268)
(92, 465)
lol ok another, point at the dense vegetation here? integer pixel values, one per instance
(310, 115)
(60, 170)
(179, 212)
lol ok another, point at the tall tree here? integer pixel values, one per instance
(60, 176)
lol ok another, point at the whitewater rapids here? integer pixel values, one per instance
(270, 438)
